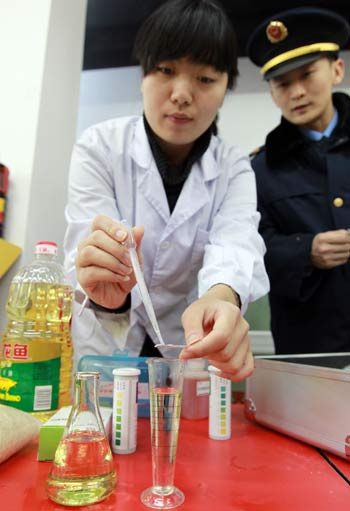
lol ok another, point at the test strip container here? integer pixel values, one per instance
(219, 406)
(124, 426)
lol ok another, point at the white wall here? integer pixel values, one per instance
(111, 93)
(245, 118)
(41, 50)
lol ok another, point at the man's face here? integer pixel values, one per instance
(304, 95)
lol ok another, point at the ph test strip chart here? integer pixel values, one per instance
(219, 406)
(124, 425)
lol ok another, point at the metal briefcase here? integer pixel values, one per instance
(305, 396)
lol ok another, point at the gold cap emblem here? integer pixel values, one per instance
(276, 31)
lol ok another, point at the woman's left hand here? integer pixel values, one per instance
(215, 329)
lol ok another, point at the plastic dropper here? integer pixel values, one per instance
(131, 245)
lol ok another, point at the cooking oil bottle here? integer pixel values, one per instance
(36, 348)
(83, 469)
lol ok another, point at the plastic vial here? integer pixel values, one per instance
(124, 428)
(195, 393)
(83, 470)
(219, 406)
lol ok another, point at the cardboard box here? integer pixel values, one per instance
(52, 430)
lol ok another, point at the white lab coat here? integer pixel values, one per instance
(211, 237)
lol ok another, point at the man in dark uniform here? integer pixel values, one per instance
(303, 180)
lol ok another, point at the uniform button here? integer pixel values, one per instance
(338, 202)
(165, 245)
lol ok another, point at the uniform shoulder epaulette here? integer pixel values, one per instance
(256, 151)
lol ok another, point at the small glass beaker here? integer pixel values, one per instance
(165, 385)
(83, 470)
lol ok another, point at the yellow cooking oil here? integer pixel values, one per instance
(36, 348)
(83, 470)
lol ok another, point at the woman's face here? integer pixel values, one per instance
(181, 100)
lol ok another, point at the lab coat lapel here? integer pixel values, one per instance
(149, 180)
(152, 189)
(195, 193)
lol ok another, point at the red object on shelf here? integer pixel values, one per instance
(4, 179)
(256, 470)
(4, 184)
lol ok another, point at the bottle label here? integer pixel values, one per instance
(30, 374)
(203, 388)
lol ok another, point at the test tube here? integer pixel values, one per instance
(219, 406)
(124, 428)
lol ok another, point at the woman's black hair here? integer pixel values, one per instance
(197, 29)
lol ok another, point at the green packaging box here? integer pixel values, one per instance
(52, 430)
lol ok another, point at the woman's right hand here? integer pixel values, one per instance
(103, 263)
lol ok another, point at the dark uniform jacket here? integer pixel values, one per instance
(303, 189)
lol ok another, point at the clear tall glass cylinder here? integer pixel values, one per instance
(83, 470)
(165, 385)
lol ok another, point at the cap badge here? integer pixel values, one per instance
(276, 31)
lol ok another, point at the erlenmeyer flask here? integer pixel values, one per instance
(83, 470)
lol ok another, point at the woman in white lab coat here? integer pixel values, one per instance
(190, 197)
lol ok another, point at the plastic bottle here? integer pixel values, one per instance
(195, 393)
(36, 354)
(82, 472)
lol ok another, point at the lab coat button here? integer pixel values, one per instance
(338, 202)
(165, 245)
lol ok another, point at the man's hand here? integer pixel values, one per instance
(215, 329)
(330, 249)
(103, 263)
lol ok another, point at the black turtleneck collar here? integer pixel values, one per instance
(174, 176)
(288, 138)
